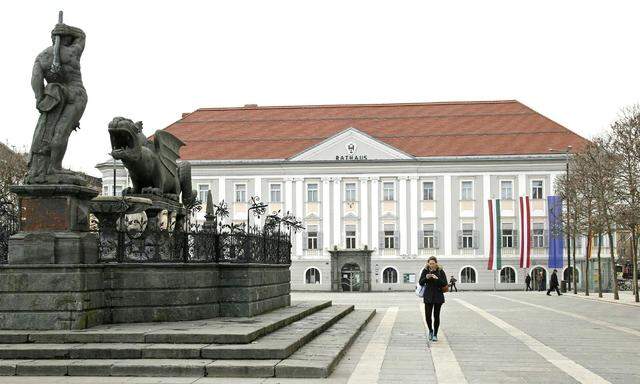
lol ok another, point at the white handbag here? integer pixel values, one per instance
(420, 288)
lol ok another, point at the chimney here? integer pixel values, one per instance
(185, 114)
(251, 106)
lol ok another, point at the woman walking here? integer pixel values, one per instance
(434, 280)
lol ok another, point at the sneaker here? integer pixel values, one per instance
(548, 294)
(435, 338)
(430, 335)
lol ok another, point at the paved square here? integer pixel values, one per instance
(488, 337)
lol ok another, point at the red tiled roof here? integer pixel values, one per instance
(421, 129)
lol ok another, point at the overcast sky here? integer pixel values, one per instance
(577, 62)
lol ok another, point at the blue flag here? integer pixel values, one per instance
(556, 233)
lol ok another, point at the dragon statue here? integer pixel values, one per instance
(152, 164)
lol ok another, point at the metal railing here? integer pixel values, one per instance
(197, 245)
(9, 224)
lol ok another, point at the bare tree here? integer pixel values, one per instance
(13, 168)
(600, 176)
(626, 146)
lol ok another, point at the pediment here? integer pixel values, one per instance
(350, 145)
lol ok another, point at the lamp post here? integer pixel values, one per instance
(567, 151)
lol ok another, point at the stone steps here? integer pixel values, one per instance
(317, 358)
(225, 330)
(275, 345)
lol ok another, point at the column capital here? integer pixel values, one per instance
(298, 179)
(363, 179)
(326, 179)
(413, 177)
(336, 178)
(288, 179)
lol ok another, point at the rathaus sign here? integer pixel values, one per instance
(351, 150)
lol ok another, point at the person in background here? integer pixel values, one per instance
(553, 284)
(452, 284)
(434, 280)
(527, 281)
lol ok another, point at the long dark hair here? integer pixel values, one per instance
(434, 259)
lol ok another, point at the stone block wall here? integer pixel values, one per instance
(51, 296)
(54, 296)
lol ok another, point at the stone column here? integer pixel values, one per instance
(375, 212)
(402, 200)
(447, 216)
(299, 212)
(413, 214)
(486, 195)
(337, 212)
(222, 195)
(364, 212)
(257, 191)
(288, 195)
(326, 213)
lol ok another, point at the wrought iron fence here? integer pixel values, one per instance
(9, 224)
(226, 244)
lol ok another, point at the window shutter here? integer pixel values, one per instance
(475, 239)
(305, 243)
(381, 240)
(516, 238)
(436, 239)
(320, 240)
(420, 239)
(396, 240)
(459, 239)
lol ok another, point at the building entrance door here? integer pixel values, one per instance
(351, 279)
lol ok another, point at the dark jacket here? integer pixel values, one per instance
(554, 280)
(433, 292)
(527, 279)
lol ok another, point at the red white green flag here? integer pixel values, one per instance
(495, 238)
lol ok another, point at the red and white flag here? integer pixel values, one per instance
(525, 232)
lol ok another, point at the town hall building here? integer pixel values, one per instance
(381, 187)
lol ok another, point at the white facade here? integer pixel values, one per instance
(354, 192)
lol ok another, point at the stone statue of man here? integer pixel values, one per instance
(61, 103)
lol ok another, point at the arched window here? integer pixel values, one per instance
(507, 275)
(389, 275)
(312, 276)
(468, 275)
(567, 274)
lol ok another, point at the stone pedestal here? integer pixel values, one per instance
(54, 225)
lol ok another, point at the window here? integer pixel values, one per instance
(350, 236)
(312, 276)
(536, 189)
(428, 236)
(389, 276)
(389, 236)
(388, 191)
(427, 190)
(312, 193)
(468, 275)
(506, 189)
(312, 237)
(203, 190)
(537, 235)
(350, 192)
(466, 241)
(275, 193)
(507, 275)
(466, 190)
(241, 193)
(105, 190)
(118, 190)
(507, 235)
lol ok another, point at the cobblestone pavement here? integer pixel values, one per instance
(489, 337)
